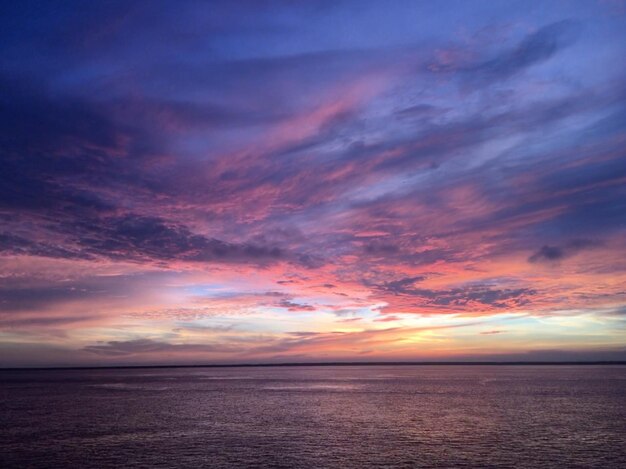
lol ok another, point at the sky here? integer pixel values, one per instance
(263, 181)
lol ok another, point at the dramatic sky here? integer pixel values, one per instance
(264, 181)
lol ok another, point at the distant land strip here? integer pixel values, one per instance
(304, 364)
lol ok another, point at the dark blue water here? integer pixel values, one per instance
(343, 417)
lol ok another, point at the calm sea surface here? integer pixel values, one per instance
(343, 417)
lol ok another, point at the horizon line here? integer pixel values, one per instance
(304, 364)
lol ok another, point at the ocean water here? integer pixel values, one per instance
(316, 417)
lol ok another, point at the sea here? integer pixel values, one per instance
(430, 416)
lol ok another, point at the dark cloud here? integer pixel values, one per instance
(95, 163)
(61, 155)
(50, 147)
(117, 348)
(293, 306)
(379, 248)
(557, 253)
(419, 110)
(17, 245)
(28, 298)
(547, 253)
(21, 293)
(44, 322)
(499, 298)
(460, 297)
(403, 285)
(134, 236)
(534, 49)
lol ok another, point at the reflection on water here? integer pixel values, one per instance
(345, 417)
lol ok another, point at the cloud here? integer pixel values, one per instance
(117, 348)
(403, 296)
(533, 49)
(387, 318)
(485, 294)
(31, 293)
(420, 110)
(41, 321)
(193, 327)
(338, 343)
(348, 320)
(403, 285)
(552, 254)
(226, 304)
(135, 237)
(292, 306)
(547, 253)
(381, 248)
(139, 238)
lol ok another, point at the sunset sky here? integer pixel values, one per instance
(264, 181)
